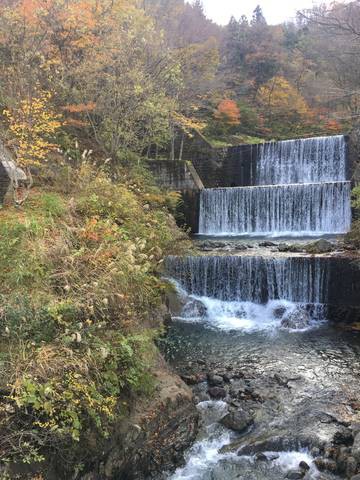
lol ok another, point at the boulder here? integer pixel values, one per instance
(237, 420)
(321, 246)
(194, 309)
(343, 437)
(304, 466)
(215, 380)
(217, 392)
(296, 319)
(295, 475)
(267, 244)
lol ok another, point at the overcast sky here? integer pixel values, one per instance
(276, 11)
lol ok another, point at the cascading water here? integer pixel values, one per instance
(294, 210)
(320, 159)
(251, 293)
(252, 279)
(301, 190)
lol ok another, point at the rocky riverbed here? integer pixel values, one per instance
(279, 404)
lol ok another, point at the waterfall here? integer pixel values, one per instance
(320, 159)
(252, 279)
(301, 209)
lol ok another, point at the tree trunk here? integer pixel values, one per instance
(181, 147)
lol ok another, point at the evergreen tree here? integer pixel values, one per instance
(258, 17)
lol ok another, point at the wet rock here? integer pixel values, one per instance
(283, 247)
(269, 457)
(356, 447)
(279, 312)
(272, 456)
(342, 458)
(201, 397)
(296, 319)
(217, 392)
(325, 464)
(295, 475)
(281, 380)
(321, 246)
(215, 380)
(304, 466)
(238, 420)
(356, 477)
(194, 308)
(240, 247)
(227, 378)
(343, 437)
(351, 467)
(294, 248)
(315, 452)
(261, 457)
(190, 379)
(267, 244)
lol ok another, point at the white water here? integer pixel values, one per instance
(249, 317)
(320, 159)
(205, 454)
(252, 279)
(277, 210)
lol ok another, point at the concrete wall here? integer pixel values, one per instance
(173, 175)
(4, 183)
(354, 154)
(180, 176)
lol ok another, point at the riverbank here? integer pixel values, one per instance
(81, 306)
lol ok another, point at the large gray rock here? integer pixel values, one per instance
(215, 380)
(296, 319)
(194, 309)
(238, 420)
(321, 246)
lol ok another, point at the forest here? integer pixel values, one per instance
(89, 91)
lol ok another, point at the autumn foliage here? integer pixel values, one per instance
(228, 112)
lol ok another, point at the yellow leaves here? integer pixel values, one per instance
(32, 123)
(187, 123)
(278, 93)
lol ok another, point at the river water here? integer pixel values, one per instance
(305, 382)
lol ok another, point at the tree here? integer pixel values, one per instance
(284, 108)
(227, 112)
(32, 124)
(258, 17)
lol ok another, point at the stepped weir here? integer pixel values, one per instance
(299, 188)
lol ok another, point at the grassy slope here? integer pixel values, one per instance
(79, 295)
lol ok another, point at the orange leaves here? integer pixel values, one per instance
(81, 107)
(30, 9)
(228, 112)
(332, 126)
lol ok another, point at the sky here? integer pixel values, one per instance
(275, 11)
